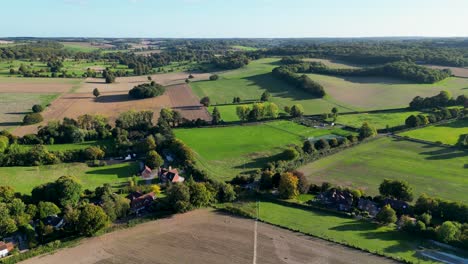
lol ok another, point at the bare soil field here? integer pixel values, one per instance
(36, 85)
(89, 44)
(115, 100)
(456, 71)
(205, 236)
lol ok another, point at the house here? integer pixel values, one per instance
(399, 206)
(5, 249)
(140, 202)
(336, 199)
(369, 206)
(54, 221)
(148, 174)
(170, 175)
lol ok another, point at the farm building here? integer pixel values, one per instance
(336, 199)
(140, 202)
(170, 175)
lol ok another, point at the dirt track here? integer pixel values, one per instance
(202, 237)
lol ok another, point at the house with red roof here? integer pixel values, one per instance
(5, 249)
(140, 202)
(170, 175)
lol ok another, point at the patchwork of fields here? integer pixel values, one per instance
(448, 133)
(227, 151)
(437, 171)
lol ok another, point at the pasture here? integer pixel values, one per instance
(335, 64)
(225, 152)
(375, 93)
(24, 179)
(105, 144)
(377, 120)
(437, 171)
(206, 236)
(384, 240)
(447, 133)
(251, 81)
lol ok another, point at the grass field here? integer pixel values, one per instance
(372, 237)
(251, 81)
(13, 106)
(226, 151)
(429, 169)
(378, 120)
(244, 48)
(82, 145)
(24, 179)
(372, 93)
(335, 64)
(446, 133)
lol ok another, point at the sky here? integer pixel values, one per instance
(234, 18)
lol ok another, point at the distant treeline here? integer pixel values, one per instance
(401, 69)
(303, 82)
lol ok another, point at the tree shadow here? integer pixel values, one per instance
(188, 107)
(259, 162)
(373, 80)
(114, 98)
(7, 124)
(17, 113)
(121, 173)
(444, 153)
(279, 88)
(355, 226)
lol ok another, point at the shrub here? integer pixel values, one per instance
(37, 108)
(32, 118)
(387, 215)
(146, 90)
(214, 77)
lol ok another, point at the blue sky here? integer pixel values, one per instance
(233, 18)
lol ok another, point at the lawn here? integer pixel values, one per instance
(13, 106)
(384, 240)
(429, 169)
(227, 151)
(24, 179)
(377, 120)
(446, 133)
(374, 93)
(251, 81)
(83, 145)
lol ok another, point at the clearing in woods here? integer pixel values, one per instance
(206, 236)
(437, 171)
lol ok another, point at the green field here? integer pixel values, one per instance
(24, 179)
(83, 145)
(227, 151)
(79, 47)
(377, 120)
(384, 240)
(251, 81)
(13, 106)
(429, 169)
(446, 133)
(375, 93)
(244, 48)
(70, 66)
(334, 64)
(228, 112)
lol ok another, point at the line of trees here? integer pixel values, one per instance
(434, 117)
(257, 112)
(443, 99)
(303, 82)
(401, 69)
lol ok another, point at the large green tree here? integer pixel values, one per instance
(397, 189)
(92, 219)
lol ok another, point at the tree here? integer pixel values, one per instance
(386, 215)
(156, 189)
(289, 154)
(146, 90)
(412, 121)
(448, 231)
(334, 111)
(96, 92)
(47, 209)
(322, 144)
(7, 223)
(68, 191)
(265, 96)
(32, 118)
(7, 194)
(205, 101)
(242, 112)
(37, 108)
(200, 196)
(288, 186)
(214, 77)
(307, 147)
(271, 110)
(94, 153)
(226, 193)
(153, 160)
(4, 143)
(178, 196)
(297, 110)
(149, 78)
(396, 189)
(302, 184)
(92, 219)
(216, 116)
(115, 206)
(367, 131)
